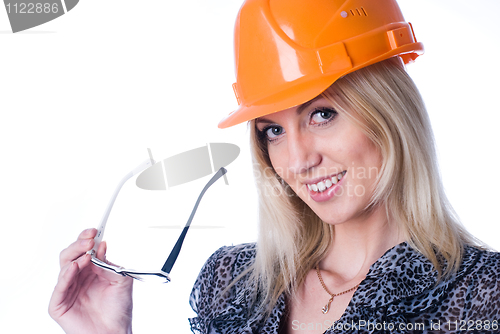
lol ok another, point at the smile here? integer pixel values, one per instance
(326, 183)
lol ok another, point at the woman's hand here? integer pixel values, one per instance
(88, 299)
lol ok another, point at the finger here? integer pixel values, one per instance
(101, 255)
(75, 251)
(101, 251)
(68, 273)
(106, 274)
(88, 234)
(60, 300)
(60, 293)
(84, 243)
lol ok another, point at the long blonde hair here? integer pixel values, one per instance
(384, 102)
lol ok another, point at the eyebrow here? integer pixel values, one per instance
(299, 110)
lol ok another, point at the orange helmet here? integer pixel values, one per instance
(289, 51)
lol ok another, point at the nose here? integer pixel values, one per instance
(302, 154)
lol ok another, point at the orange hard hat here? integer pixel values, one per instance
(289, 51)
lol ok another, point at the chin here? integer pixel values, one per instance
(328, 219)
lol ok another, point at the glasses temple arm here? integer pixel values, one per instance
(167, 267)
(100, 231)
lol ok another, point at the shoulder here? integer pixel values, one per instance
(477, 285)
(481, 266)
(210, 297)
(227, 263)
(488, 261)
(482, 269)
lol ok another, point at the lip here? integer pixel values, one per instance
(327, 194)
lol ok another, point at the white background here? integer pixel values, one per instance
(83, 96)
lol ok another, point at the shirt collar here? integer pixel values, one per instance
(403, 272)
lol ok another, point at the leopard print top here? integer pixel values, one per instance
(398, 295)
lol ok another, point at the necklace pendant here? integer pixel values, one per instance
(326, 308)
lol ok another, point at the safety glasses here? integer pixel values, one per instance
(161, 275)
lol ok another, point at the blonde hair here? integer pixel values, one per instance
(384, 102)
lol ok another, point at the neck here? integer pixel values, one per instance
(358, 243)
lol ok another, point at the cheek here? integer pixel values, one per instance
(362, 151)
(278, 161)
(372, 154)
(369, 164)
(361, 158)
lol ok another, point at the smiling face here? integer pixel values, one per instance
(327, 160)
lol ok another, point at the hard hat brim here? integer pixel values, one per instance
(302, 93)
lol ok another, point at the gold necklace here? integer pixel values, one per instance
(326, 308)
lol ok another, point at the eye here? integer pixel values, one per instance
(271, 133)
(322, 116)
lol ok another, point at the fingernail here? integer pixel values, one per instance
(85, 242)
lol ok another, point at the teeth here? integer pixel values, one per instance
(323, 185)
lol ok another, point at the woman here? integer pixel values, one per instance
(356, 232)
